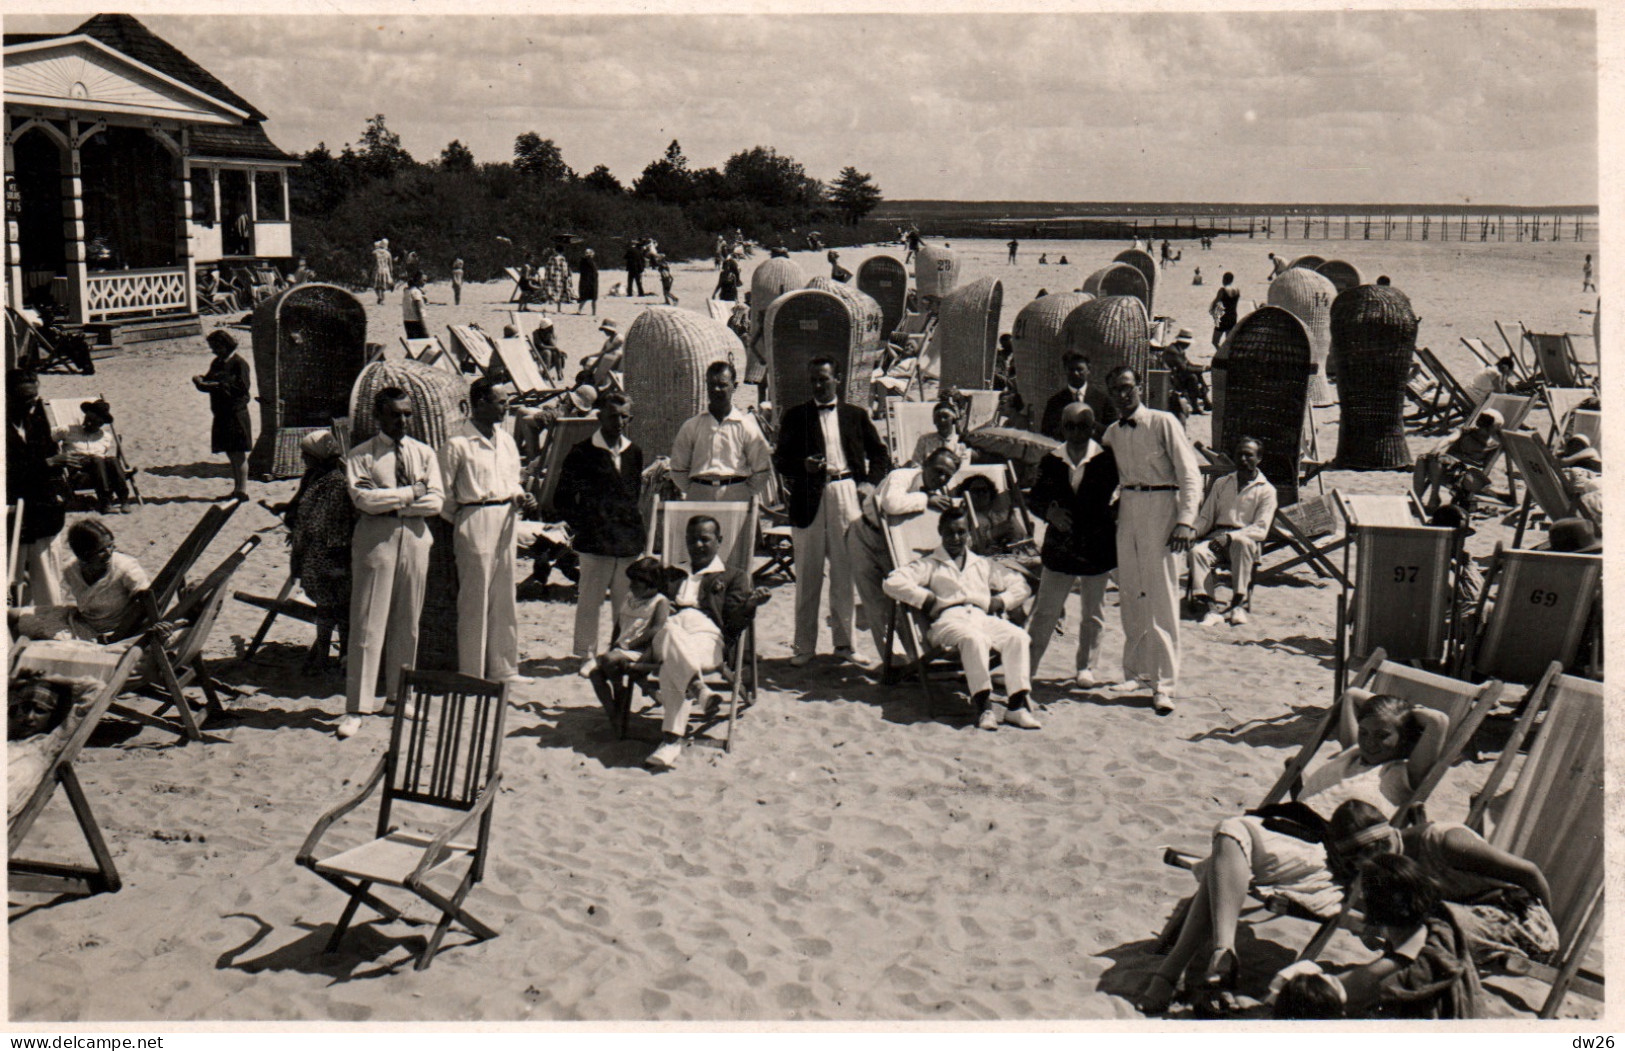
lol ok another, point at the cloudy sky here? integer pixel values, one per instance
(1441, 106)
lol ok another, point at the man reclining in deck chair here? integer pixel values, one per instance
(713, 608)
(105, 585)
(1462, 464)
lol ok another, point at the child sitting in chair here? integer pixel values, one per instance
(104, 583)
(653, 589)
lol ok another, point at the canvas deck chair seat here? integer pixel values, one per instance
(170, 581)
(1310, 533)
(1561, 403)
(174, 643)
(565, 434)
(469, 344)
(736, 679)
(1402, 595)
(1544, 602)
(32, 348)
(1555, 360)
(1553, 817)
(36, 766)
(1451, 403)
(520, 294)
(1544, 483)
(62, 413)
(442, 772)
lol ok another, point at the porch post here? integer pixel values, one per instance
(183, 224)
(14, 255)
(73, 232)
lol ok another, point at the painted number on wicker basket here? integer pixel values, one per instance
(1406, 574)
(944, 265)
(808, 324)
(1542, 597)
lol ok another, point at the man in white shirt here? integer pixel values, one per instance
(1491, 379)
(394, 482)
(1232, 524)
(412, 303)
(1161, 489)
(480, 466)
(721, 454)
(963, 595)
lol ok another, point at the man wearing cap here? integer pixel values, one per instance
(394, 482)
(1232, 524)
(599, 486)
(1185, 378)
(93, 440)
(721, 454)
(830, 458)
(1161, 487)
(480, 467)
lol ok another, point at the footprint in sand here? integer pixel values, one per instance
(792, 995)
(816, 947)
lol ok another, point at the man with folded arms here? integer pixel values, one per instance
(721, 454)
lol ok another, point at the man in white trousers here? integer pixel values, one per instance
(721, 454)
(394, 482)
(1160, 487)
(480, 466)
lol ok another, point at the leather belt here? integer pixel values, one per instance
(718, 483)
(1151, 488)
(843, 476)
(486, 503)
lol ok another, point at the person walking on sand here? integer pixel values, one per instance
(413, 301)
(394, 482)
(1587, 284)
(634, 259)
(663, 268)
(227, 385)
(556, 282)
(1278, 266)
(587, 283)
(1223, 308)
(383, 269)
(1161, 487)
(457, 281)
(480, 468)
(1012, 246)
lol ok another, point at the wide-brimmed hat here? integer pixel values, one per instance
(1184, 336)
(1574, 536)
(608, 325)
(584, 397)
(96, 410)
(221, 339)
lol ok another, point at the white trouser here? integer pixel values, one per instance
(871, 561)
(977, 635)
(44, 564)
(599, 573)
(1242, 556)
(487, 608)
(733, 492)
(1147, 586)
(826, 539)
(390, 559)
(689, 645)
(1050, 605)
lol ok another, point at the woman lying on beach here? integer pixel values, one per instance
(104, 584)
(1389, 745)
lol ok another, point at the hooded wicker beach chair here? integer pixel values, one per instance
(884, 279)
(1309, 297)
(771, 279)
(968, 334)
(867, 339)
(1305, 262)
(936, 272)
(1040, 345)
(310, 344)
(1119, 279)
(667, 352)
(1141, 260)
(442, 772)
(1111, 332)
(1267, 366)
(1373, 342)
(1343, 276)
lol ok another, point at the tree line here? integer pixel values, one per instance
(492, 214)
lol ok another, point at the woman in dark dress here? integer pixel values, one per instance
(227, 384)
(1223, 308)
(587, 289)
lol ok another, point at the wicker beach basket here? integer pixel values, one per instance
(1373, 342)
(802, 325)
(309, 345)
(968, 334)
(1308, 262)
(1309, 297)
(1267, 368)
(1040, 350)
(668, 350)
(868, 336)
(936, 270)
(1141, 260)
(1343, 276)
(884, 279)
(1119, 279)
(771, 279)
(439, 401)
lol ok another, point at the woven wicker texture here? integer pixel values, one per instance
(868, 336)
(803, 325)
(1373, 342)
(439, 401)
(1309, 297)
(1040, 350)
(770, 280)
(884, 279)
(1307, 261)
(1266, 392)
(936, 270)
(289, 461)
(968, 334)
(1343, 276)
(1110, 332)
(1119, 279)
(309, 345)
(1141, 260)
(667, 352)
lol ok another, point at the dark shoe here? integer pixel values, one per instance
(1215, 997)
(1158, 994)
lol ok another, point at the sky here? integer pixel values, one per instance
(1440, 106)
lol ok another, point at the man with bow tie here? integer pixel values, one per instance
(1078, 391)
(394, 482)
(1161, 488)
(830, 458)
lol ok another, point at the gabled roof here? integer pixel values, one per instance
(125, 34)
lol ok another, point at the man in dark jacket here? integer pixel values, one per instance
(830, 458)
(1074, 495)
(599, 485)
(635, 258)
(1077, 391)
(34, 472)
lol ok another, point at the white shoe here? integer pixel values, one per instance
(801, 660)
(1238, 615)
(525, 680)
(1023, 718)
(348, 726)
(665, 757)
(588, 666)
(1210, 618)
(991, 716)
(1085, 680)
(1162, 703)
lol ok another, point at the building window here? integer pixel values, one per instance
(203, 196)
(268, 200)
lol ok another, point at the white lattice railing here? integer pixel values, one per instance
(135, 291)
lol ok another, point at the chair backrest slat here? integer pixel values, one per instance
(446, 739)
(1543, 601)
(738, 519)
(1402, 590)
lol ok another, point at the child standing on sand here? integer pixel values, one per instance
(664, 269)
(457, 281)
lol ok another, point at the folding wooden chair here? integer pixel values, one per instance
(171, 579)
(1544, 600)
(1309, 530)
(906, 422)
(445, 749)
(520, 295)
(62, 413)
(1554, 818)
(175, 661)
(59, 749)
(14, 554)
(1451, 402)
(1402, 592)
(564, 435)
(1544, 484)
(469, 343)
(33, 349)
(1561, 404)
(1587, 422)
(1555, 360)
(1489, 359)
(514, 354)
(737, 679)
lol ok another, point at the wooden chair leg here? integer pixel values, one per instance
(177, 696)
(346, 916)
(270, 617)
(107, 873)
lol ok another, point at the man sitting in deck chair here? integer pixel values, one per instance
(963, 595)
(1232, 525)
(100, 468)
(1462, 464)
(105, 585)
(713, 608)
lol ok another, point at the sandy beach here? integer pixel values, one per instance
(853, 859)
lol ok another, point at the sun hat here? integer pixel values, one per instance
(1494, 414)
(321, 444)
(608, 325)
(544, 322)
(1574, 536)
(1184, 336)
(584, 397)
(98, 410)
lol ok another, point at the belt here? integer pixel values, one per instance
(1151, 488)
(843, 476)
(718, 483)
(487, 503)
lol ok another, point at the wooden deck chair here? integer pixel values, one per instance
(1310, 530)
(469, 343)
(55, 753)
(1544, 484)
(1451, 403)
(175, 661)
(1514, 341)
(1488, 358)
(980, 409)
(1007, 494)
(1474, 478)
(1554, 818)
(15, 562)
(736, 679)
(514, 354)
(62, 413)
(1402, 592)
(1587, 422)
(443, 762)
(33, 349)
(906, 421)
(1561, 403)
(1555, 361)
(564, 435)
(1544, 601)
(169, 581)
(520, 295)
